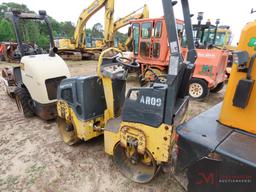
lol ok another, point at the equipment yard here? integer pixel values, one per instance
(33, 156)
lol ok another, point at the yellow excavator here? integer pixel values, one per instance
(75, 49)
(218, 146)
(122, 22)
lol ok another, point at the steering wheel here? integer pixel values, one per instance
(130, 63)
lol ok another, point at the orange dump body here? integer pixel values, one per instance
(153, 51)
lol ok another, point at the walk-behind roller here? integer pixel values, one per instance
(141, 139)
(86, 103)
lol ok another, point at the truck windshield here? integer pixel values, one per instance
(208, 36)
(220, 38)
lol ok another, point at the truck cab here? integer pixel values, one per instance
(151, 49)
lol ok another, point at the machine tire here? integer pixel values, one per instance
(218, 88)
(23, 101)
(68, 137)
(198, 89)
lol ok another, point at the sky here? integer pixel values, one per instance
(230, 12)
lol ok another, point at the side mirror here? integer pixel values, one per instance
(241, 59)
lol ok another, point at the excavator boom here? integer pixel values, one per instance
(82, 20)
(132, 16)
(109, 22)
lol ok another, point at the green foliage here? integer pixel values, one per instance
(36, 32)
(32, 32)
(121, 37)
(6, 32)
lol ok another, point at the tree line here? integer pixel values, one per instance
(36, 32)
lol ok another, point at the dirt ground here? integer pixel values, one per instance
(34, 158)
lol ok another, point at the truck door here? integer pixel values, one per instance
(145, 40)
(156, 40)
(150, 43)
(136, 38)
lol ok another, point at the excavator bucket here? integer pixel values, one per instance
(137, 167)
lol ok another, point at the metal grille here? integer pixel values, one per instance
(52, 85)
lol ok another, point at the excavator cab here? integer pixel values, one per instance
(141, 139)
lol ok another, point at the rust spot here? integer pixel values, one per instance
(166, 128)
(165, 138)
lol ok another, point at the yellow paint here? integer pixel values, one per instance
(107, 85)
(83, 129)
(132, 16)
(244, 119)
(22, 66)
(108, 90)
(156, 140)
(102, 56)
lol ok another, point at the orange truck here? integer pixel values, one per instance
(151, 49)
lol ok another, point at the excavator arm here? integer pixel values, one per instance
(126, 20)
(132, 16)
(109, 22)
(79, 34)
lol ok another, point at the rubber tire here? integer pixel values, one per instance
(23, 96)
(204, 85)
(218, 88)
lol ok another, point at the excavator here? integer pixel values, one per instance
(217, 147)
(122, 22)
(93, 105)
(76, 49)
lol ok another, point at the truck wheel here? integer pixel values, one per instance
(198, 89)
(218, 88)
(24, 101)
